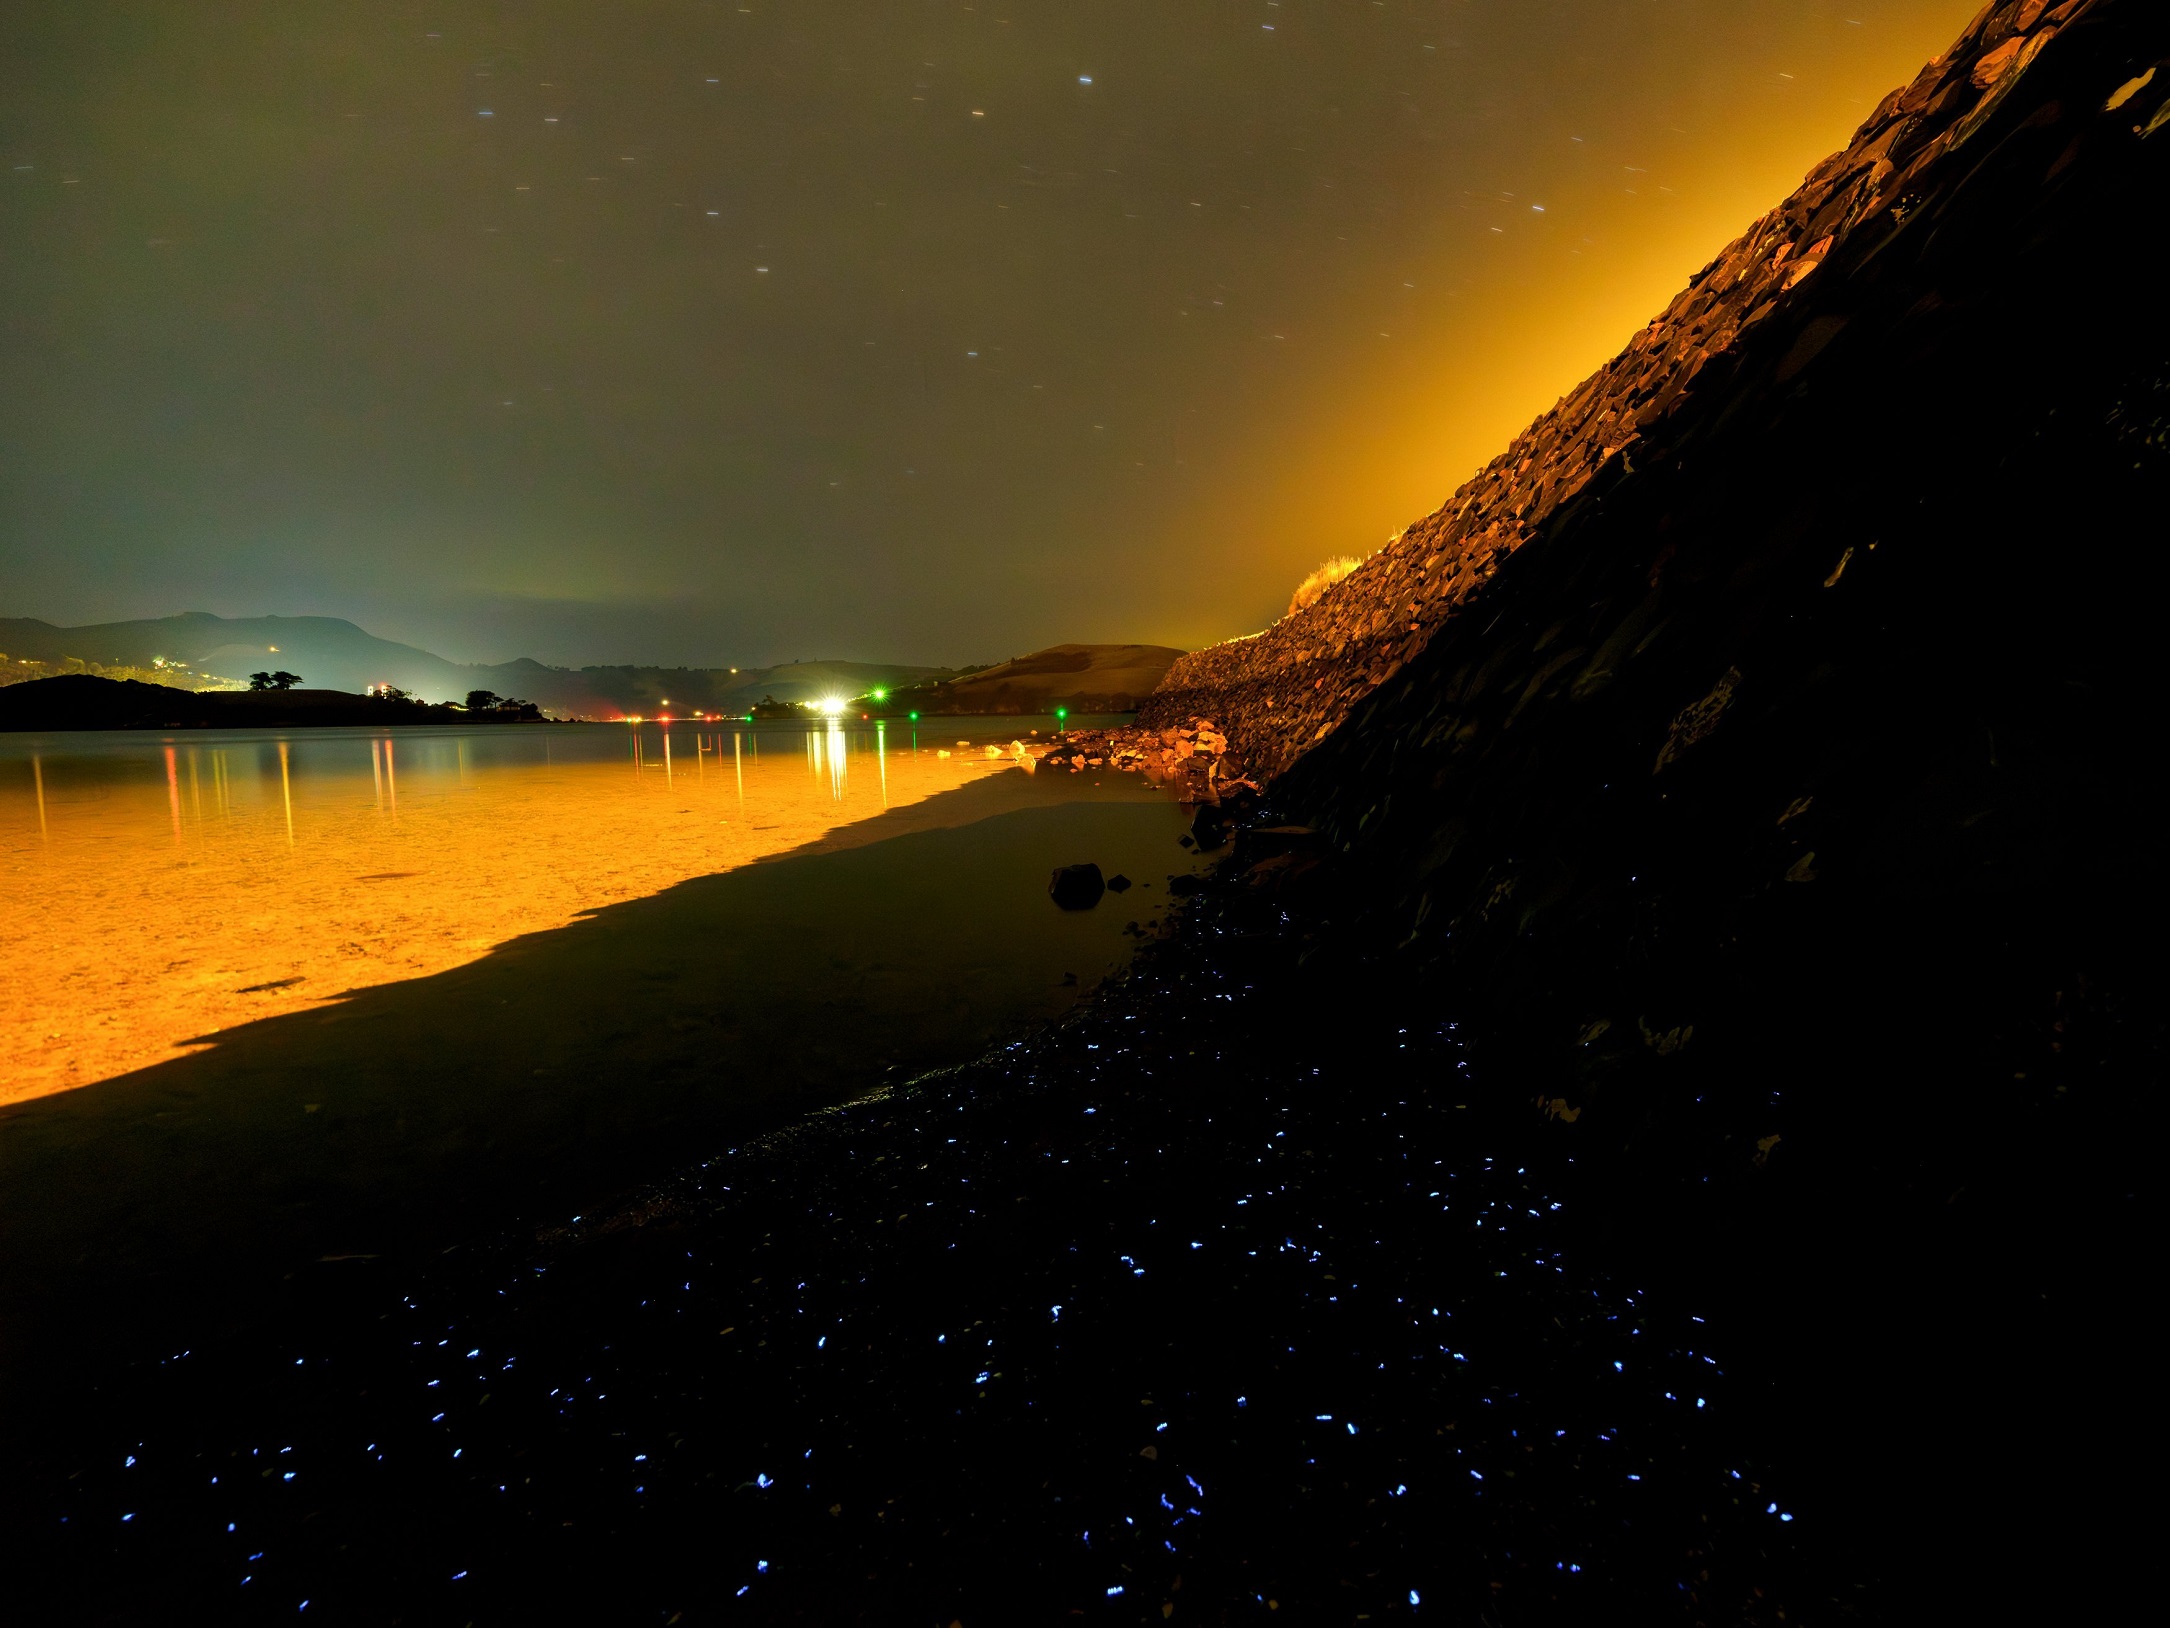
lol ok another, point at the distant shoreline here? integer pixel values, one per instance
(82, 701)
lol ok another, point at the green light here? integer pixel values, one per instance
(915, 717)
(1062, 712)
(881, 695)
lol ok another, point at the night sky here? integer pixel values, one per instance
(605, 330)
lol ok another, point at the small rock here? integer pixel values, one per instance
(1184, 886)
(1118, 883)
(1076, 887)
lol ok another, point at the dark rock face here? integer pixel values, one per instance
(1076, 887)
(2025, 88)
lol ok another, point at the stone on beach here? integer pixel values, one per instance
(1076, 887)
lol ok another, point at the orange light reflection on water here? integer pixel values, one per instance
(137, 920)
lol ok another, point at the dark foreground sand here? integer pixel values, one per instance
(136, 1214)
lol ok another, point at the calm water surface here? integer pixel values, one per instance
(286, 1001)
(167, 887)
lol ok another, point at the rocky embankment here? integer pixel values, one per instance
(1758, 317)
(1193, 759)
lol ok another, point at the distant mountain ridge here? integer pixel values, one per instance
(332, 653)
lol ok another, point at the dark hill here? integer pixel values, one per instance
(85, 701)
(80, 701)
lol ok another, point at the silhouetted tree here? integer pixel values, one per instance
(281, 680)
(506, 707)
